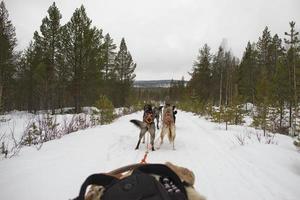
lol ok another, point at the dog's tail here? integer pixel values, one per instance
(171, 134)
(138, 123)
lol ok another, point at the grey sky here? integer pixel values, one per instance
(164, 36)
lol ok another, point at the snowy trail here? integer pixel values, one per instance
(224, 170)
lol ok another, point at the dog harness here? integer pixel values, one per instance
(148, 118)
(168, 118)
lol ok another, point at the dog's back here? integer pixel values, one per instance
(168, 118)
(168, 124)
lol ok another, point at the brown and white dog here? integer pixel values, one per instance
(168, 126)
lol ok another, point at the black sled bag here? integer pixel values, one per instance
(147, 182)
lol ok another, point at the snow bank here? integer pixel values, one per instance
(224, 169)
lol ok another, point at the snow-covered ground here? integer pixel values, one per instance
(224, 169)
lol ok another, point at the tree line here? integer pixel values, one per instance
(68, 65)
(268, 76)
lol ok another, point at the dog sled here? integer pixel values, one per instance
(141, 182)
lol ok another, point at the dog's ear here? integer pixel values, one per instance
(147, 106)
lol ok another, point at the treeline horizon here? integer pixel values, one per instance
(70, 65)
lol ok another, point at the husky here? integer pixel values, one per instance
(146, 125)
(168, 126)
(157, 113)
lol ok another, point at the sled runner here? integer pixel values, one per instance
(137, 182)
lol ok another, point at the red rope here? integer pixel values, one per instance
(143, 161)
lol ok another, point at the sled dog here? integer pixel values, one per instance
(157, 113)
(168, 126)
(146, 125)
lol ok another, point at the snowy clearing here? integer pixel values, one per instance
(224, 169)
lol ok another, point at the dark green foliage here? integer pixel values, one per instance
(64, 66)
(294, 72)
(123, 74)
(8, 43)
(106, 110)
(247, 74)
(49, 42)
(201, 75)
(267, 77)
(32, 135)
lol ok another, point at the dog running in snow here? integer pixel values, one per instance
(157, 113)
(146, 125)
(168, 126)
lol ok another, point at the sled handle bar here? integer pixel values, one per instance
(126, 168)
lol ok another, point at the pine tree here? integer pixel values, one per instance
(279, 85)
(108, 52)
(30, 78)
(218, 73)
(124, 68)
(50, 44)
(263, 89)
(280, 93)
(247, 74)
(293, 50)
(75, 34)
(8, 43)
(264, 47)
(201, 75)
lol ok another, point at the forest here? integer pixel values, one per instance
(76, 64)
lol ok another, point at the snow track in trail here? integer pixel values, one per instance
(224, 170)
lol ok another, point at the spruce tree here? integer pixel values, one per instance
(30, 78)
(8, 43)
(279, 85)
(124, 68)
(293, 50)
(263, 89)
(218, 73)
(264, 47)
(108, 53)
(247, 74)
(201, 75)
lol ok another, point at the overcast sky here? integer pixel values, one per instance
(164, 36)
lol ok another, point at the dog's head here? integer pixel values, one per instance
(157, 110)
(147, 108)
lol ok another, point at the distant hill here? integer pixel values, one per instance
(153, 83)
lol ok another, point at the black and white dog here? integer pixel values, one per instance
(146, 125)
(157, 113)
